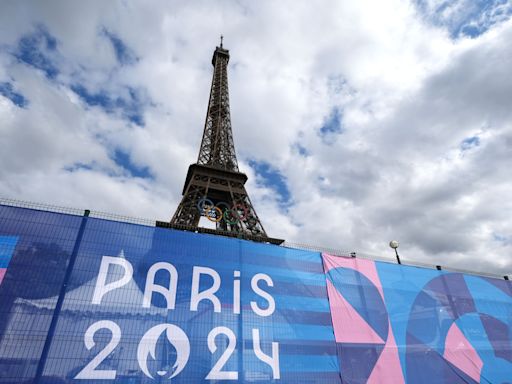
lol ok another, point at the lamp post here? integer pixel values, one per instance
(394, 244)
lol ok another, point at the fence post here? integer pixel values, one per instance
(60, 300)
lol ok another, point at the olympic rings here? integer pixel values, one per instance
(222, 210)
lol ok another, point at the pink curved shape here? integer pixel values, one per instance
(349, 326)
(459, 351)
(2, 274)
(388, 368)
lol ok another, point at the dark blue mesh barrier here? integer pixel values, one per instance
(144, 304)
(35, 247)
(85, 299)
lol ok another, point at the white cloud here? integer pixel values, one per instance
(408, 95)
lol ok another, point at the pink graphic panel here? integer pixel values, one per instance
(388, 369)
(349, 327)
(460, 352)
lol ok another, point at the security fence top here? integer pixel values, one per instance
(41, 206)
(286, 244)
(390, 259)
(75, 211)
(123, 219)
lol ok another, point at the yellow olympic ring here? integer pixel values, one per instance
(218, 213)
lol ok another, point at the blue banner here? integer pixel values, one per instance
(97, 301)
(401, 324)
(116, 301)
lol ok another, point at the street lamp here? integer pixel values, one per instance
(394, 244)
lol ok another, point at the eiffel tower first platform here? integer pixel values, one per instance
(214, 187)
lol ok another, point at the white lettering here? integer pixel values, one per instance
(102, 287)
(236, 293)
(90, 371)
(272, 361)
(216, 372)
(271, 303)
(168, 293)
(196, 297)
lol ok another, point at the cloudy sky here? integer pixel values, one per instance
(357, 122)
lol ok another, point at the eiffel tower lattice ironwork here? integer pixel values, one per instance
(214, 186)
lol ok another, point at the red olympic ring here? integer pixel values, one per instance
(240, 207)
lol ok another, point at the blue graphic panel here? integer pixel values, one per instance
(450, 334)
(7, 245)
(143, 304)
(400, 324)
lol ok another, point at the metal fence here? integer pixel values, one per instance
(287, 244)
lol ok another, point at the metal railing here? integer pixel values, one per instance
(390, 259)
(287, 244)
(76, 211)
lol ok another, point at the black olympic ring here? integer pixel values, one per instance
(213, 212)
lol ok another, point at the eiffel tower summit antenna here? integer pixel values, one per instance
(214, 186)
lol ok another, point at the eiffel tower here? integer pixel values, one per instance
(214, 186)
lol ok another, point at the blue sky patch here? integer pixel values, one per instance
(301, 150)
(124, 55)
(123, 160)
(468, 18)
(7, 90)
(504, 240)
(130, 107)
(332, 126)
(38, 49)
(273, 179)
(470, 142)
(333, 122)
